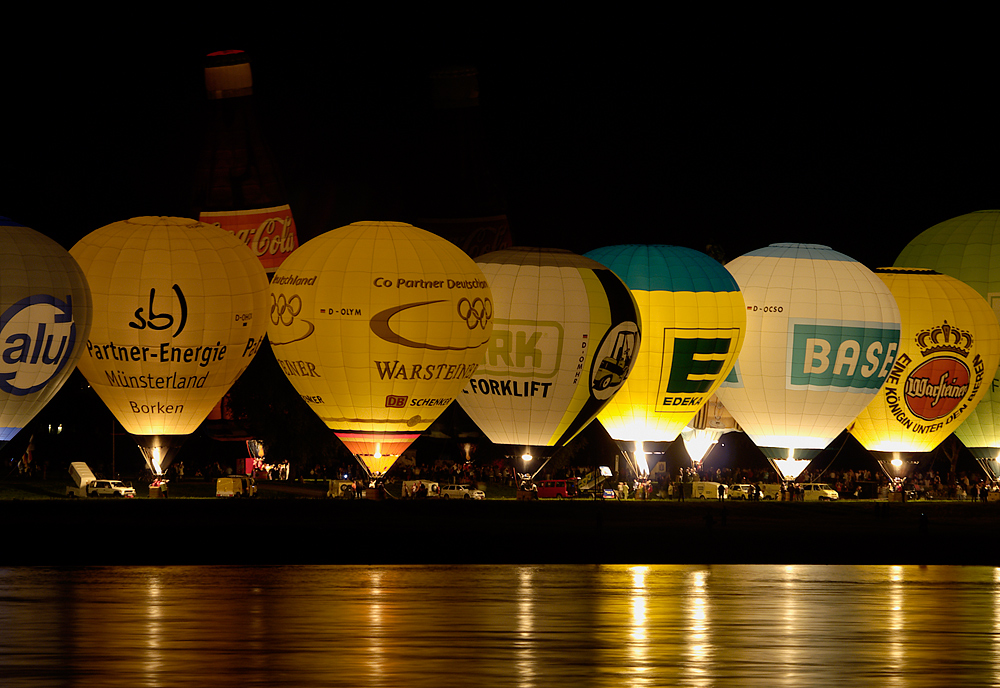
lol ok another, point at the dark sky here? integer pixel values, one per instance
(602, 132)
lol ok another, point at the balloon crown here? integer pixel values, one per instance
(944, 338)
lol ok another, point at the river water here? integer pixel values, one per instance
(505, 625)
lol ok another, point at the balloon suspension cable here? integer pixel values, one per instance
(544, 464)
(839, 449)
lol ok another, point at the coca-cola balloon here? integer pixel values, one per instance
(45, 314)
(378, 325)
(180, 309)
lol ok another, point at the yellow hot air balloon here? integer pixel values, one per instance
(967, 248)
(564, 337)
(822, 330)
(378, 325)
(180, 308)
(694, 323)
(949, 346)
(45, 313)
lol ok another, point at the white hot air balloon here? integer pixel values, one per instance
(565, 334)
(822, 333)
(45, 314)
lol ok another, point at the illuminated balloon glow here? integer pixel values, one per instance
(968, 248)
(822, 333)
(704, 430)
(180, 309)
(693, 323)
(948, 350)
(45, 314)
(378, 326)
(565, 334)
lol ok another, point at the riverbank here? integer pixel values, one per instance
(47, 531)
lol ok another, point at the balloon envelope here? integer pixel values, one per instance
(822, 331)
(565, 334)
(45, 315)
(950, 344)
(378, 325)
(968, 248)
(693, 323)
(180, 308)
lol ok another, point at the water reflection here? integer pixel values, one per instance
(525, 626)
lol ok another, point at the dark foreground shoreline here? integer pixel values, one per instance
(316, 531)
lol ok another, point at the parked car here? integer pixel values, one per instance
(110, 488)
(461, 492)
(818, 492)
(740, 491)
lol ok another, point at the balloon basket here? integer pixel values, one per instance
(157, 492)
(375, 493)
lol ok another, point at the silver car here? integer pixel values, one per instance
(461, 492)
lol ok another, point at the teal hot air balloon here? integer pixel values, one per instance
(694, 323)
(45, 315)
(967, 248)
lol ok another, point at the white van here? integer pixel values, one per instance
(707, 490)
(818, 492)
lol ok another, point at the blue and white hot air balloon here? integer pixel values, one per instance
(45, 315)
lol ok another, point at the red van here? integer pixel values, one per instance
(559, 489)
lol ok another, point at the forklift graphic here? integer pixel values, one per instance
(614, 368)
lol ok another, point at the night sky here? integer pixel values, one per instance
(686, 133)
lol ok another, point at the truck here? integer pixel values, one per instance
(235, 486)
(705, 490)
(592, 481)
(88, 485)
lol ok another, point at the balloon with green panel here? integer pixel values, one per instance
(694, 323)
(822, 332)
(565, 336)
(967, 248)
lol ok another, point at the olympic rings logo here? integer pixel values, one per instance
(284, 310)
(475, 313)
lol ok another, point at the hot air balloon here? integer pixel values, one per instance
(967, 248)
(949, 348)
(378, 326)
(693, 321)
(45, 314)
(180, 309)
(565, 334)
(822, 332)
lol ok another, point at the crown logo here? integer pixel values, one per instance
(944, 338)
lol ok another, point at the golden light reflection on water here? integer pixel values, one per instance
(524, 626)
(525, 639)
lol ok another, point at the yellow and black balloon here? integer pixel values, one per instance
(565, 335)
(45, 316)
(180, 309)
(378, 326)
(693, 323)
